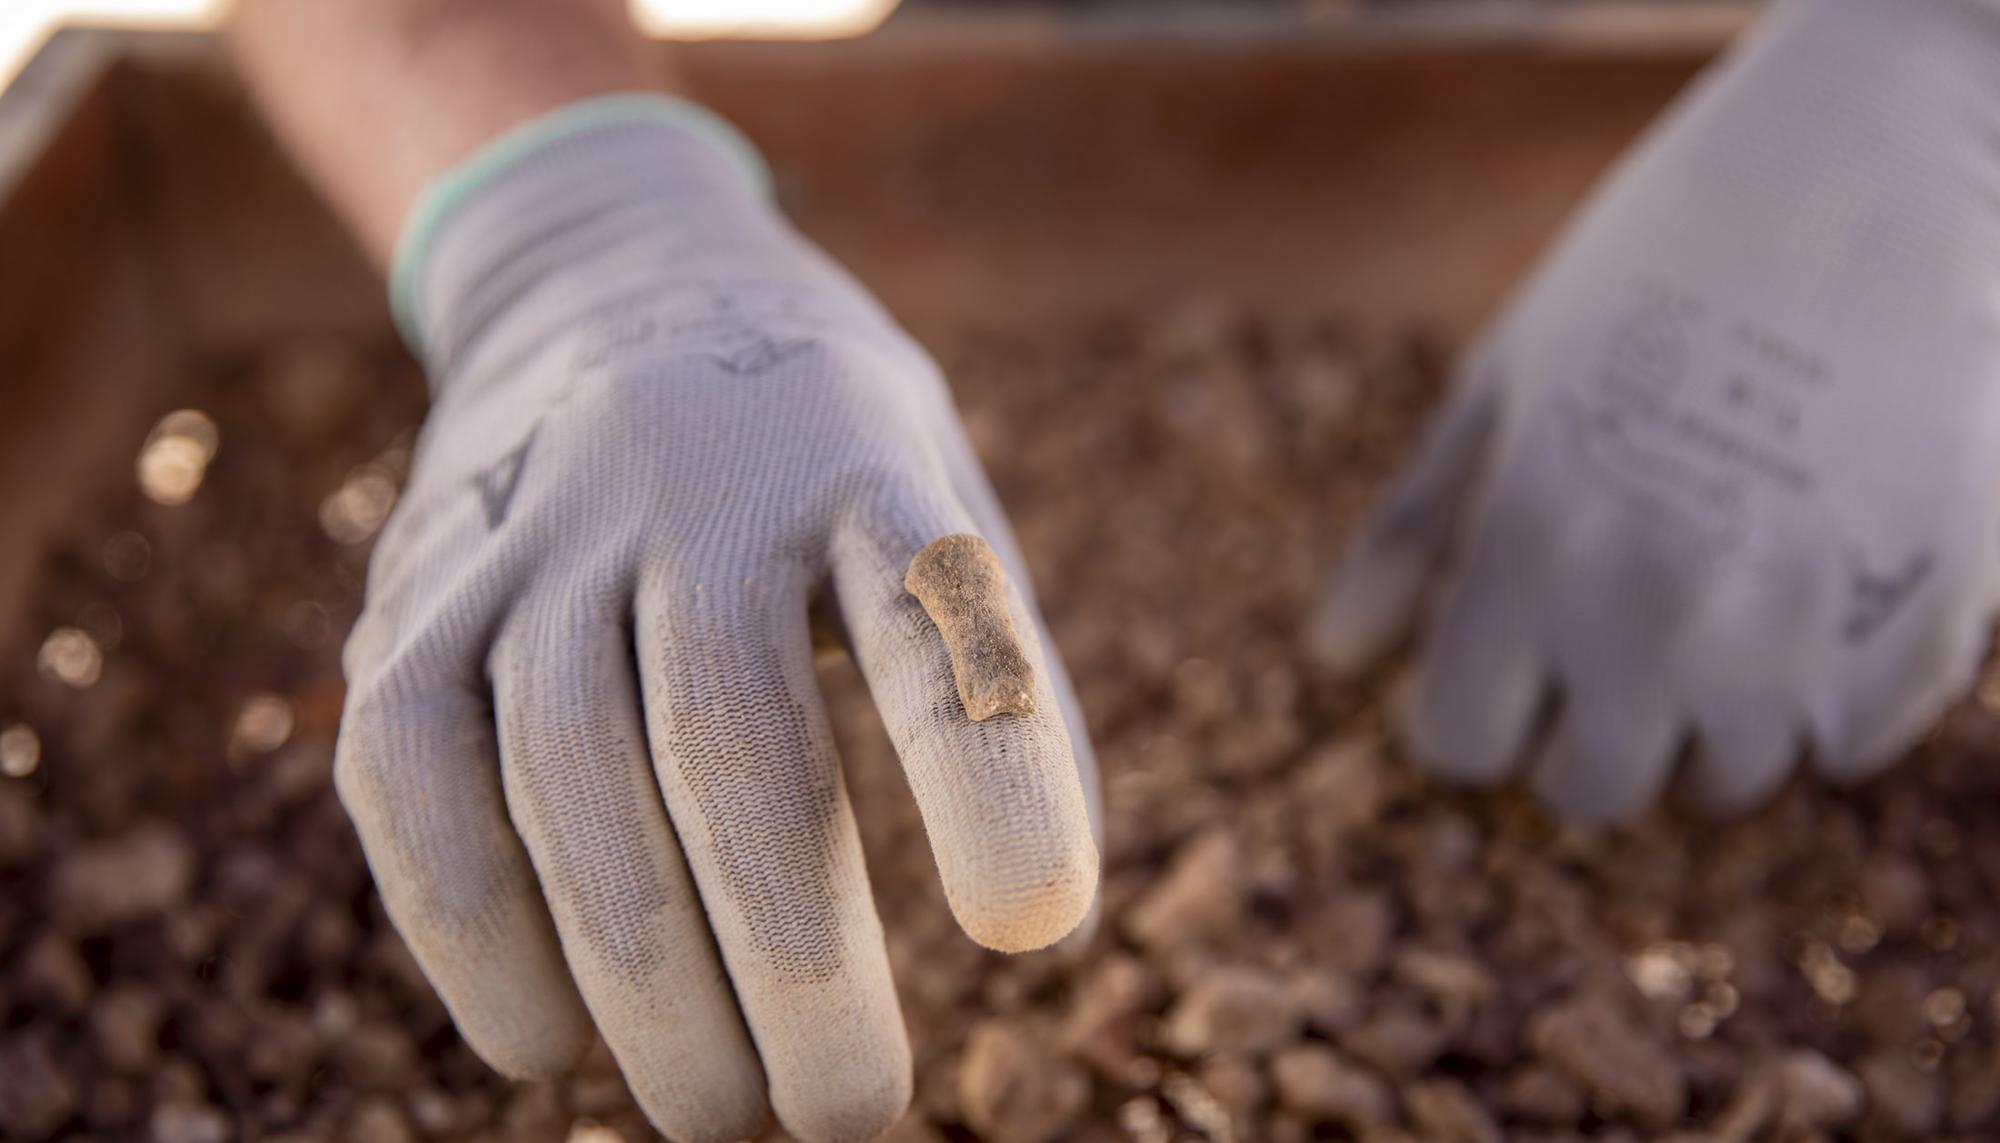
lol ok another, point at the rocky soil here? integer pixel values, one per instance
(1302, 940)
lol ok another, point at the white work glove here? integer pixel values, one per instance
(583, 745)
(1727, 471)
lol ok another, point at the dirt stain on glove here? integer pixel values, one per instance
(963, 588)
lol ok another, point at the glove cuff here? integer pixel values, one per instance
(480, 232)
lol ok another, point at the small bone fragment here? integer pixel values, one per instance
(964, 590)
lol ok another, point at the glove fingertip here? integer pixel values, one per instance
(1035, 905)
(1075, 945)
(529, 1061)
(1368, 609)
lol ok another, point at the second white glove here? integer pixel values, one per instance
(1728, 471)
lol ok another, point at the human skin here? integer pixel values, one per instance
(377, 98)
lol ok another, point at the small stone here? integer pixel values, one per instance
(1236, 1082)
(1895, 894)
(188, 1121)
(1454, 982)
(301, 771)
(125, 1026)
(1750, 1109)
(1116, 988)
(1446, 1112)
(283, 1045)
(20, 825)
(1197, 1107)
(114, 1102)
(379, 1121)
(1330, 999)
(1902, 1095)
(177, 1079)
(1287, 1127)
(1199, 899)
(1353, 931)
(35, 1096)
(598, 1095)
(534, 1114)
(1399, 1042)
(1975, 1088)
(437, 1112)
(20, 751)
(136, 876)
(378, 1055)
(1344, 785)
(335, 1016)
(1890, 1008)
(1235, 1009)
(1620, 1062)
(1312, 1081)
(911, 1128)
(54, 970)
(328, 935)
(1012, 1089)
(1544, 1094)
(1814, 1093)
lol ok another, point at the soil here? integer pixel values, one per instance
(1303, 941)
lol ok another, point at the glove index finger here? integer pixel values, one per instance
(958, 673)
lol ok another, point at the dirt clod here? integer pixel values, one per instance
(35, 1096)
(1315, 1083)
(1446, 1111)
(1904, 1097)
(134, 876)
(1815, 1093)
(1013, 1089)
(1198, 899)
(963, 588)
(1619, 1061)
(1235, 1010)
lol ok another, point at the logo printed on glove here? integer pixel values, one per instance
(1872, 598)
(759, 355)
(497, 484)
(1697, 414)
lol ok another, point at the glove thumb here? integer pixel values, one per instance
(1371, 600)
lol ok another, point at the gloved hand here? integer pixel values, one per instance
(583, 745)
(1728, 470)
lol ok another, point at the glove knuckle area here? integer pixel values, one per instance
(748, 365)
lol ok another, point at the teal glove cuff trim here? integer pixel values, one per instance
(443, 196)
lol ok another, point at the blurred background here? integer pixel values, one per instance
(26, 24)
(1195, 270)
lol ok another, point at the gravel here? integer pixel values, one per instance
(1303, 938)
